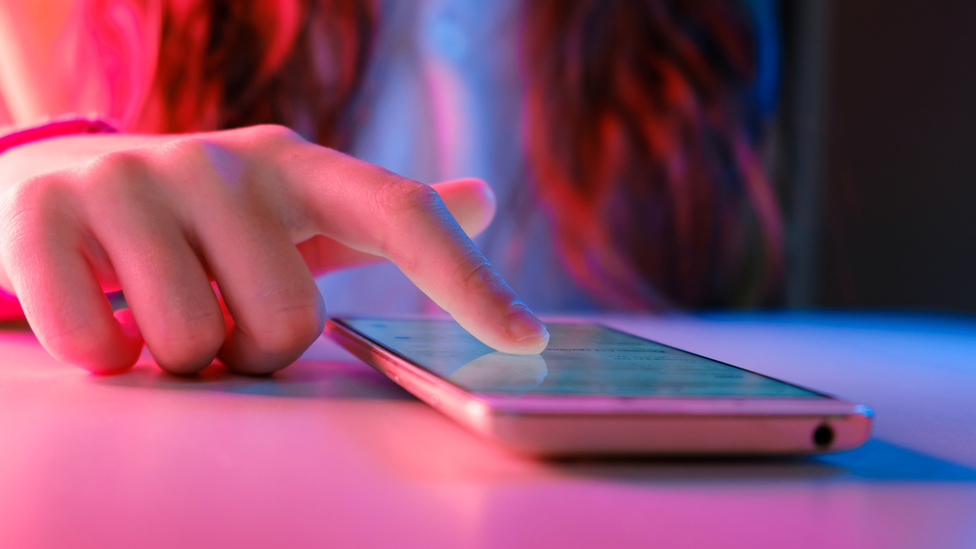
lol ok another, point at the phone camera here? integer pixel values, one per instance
(823, 436)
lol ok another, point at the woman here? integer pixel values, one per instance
(636, 155)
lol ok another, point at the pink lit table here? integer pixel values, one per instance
(329, 453)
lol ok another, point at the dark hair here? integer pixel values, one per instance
(215, 71)
(636, 127)
(637, 113)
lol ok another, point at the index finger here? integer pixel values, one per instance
(375, 211)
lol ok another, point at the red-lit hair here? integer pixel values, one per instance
(217, 70)
(636, 128)
(636, 116)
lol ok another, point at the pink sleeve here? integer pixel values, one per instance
(9, 138)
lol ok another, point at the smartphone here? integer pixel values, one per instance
(597, 390)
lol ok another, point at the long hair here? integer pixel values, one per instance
(637, 122)
(639, 135)
(232, 63)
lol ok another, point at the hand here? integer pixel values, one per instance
(257, 211)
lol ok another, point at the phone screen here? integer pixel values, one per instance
(581, 360)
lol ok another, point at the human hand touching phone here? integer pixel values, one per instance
(256, 211)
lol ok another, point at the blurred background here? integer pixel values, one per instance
(875, 153)
(870, 140)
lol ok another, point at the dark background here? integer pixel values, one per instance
(877, 162)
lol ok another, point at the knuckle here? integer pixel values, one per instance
(35, 194)
(116, 166)
(92, 343)
(401, 201)
(193, 151)
(189, 344)
(474, 271)
(30, 209)
(275, 132)
(401, 195)
(191, 144)
(205, 162)
(271, 148)
(290, 328)
(116, 177)
(260, 137)
(68, 343)
(77, 341)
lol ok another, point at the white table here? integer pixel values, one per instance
(329, 453)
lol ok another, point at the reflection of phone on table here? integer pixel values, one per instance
(599, 390)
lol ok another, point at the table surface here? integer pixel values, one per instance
(331, 453)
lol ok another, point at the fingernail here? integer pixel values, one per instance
(522, 325)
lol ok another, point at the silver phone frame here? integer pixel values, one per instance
(555, 425)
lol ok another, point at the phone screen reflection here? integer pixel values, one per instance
(513, 375)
